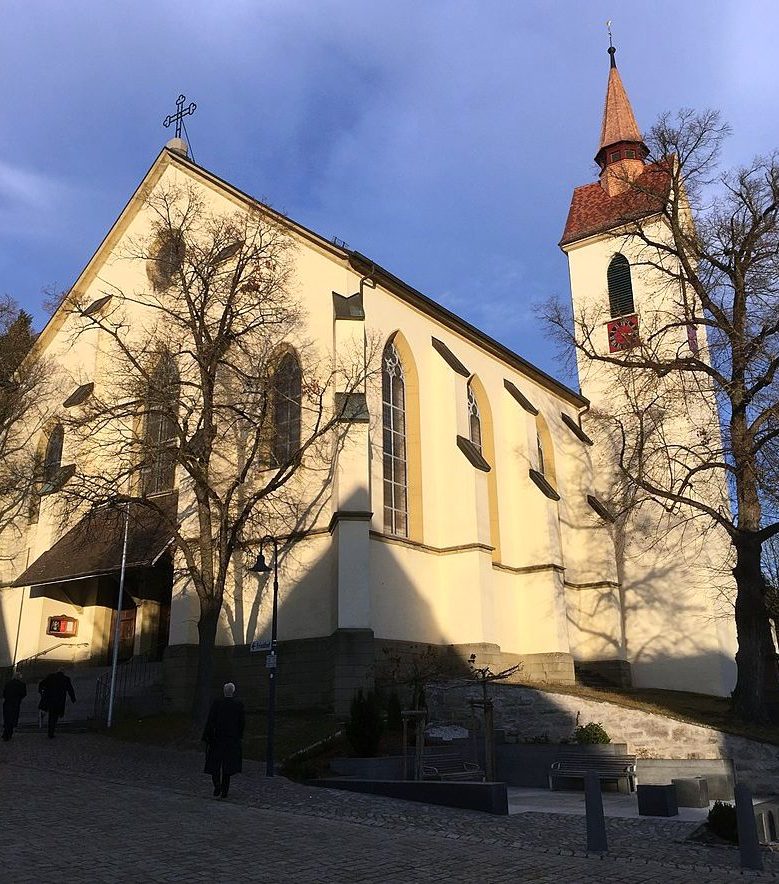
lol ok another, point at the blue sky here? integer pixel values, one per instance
(442, 139)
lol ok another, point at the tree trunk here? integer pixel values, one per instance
(758, 679)
(206, 628)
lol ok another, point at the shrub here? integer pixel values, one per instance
(722, 821)
(365, 726)
(590, 734)
(394, 718)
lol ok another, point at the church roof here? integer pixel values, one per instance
(594, 211)
(357, 261)
(619, 121)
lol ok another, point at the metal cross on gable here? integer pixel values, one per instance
(181, 112)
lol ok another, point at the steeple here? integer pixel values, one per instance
(622, 151)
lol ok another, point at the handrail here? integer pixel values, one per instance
(130, 674)
(28, 660)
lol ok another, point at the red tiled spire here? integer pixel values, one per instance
(622, 151)
(628, 187)
(619, 121)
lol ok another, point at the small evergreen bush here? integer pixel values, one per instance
(591, 734)
(722, 821)
(365, 726)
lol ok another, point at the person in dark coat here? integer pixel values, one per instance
(53, 690)
(223, 734)
(14, 692)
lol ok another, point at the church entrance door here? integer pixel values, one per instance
(126, 634)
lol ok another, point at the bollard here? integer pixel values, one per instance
(748, 845)
(596, 823)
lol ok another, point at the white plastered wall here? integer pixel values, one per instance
(443, 586)
(676, 588)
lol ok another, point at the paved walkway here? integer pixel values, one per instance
(124, 812)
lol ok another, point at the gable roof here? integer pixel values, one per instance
(360, 263)
(593, 211)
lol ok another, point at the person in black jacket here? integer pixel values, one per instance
(223, 734)
(53, 690)
(14, 692)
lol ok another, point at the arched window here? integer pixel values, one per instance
(474, 418)
(620, 286)
(540, 448)
(166, 259)
(52, 459)
(286, 410)
(393, 396)
(161, 427)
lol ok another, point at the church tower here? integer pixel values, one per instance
(674, 578)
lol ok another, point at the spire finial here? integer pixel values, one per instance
(611, 50)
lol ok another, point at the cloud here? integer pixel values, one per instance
(31, 201)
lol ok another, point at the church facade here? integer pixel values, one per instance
(468, 509)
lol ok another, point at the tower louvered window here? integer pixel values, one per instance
(620, 287)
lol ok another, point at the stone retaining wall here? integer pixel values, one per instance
(526, 714)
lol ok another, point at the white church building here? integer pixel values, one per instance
(468, 511)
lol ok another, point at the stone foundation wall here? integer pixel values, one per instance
(525, 714)
(396, 661)
(314, 673)
(324, 673)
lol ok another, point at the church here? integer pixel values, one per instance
(468, 510)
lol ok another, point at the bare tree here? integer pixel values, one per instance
(208, 384)
(23, 383)
(696, 425)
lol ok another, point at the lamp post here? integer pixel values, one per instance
(117, 625)
(262, 567)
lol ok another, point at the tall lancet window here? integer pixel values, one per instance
(540, 448)
(620, 286)
(162, 403)
(474, 418)
(52, 459)
(286, 409)
(393, 395)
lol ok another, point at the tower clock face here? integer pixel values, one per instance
(622, 332)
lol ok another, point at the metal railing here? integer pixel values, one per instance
(134, 673)
(22, 665)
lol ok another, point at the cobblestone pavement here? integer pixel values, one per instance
(117, 811)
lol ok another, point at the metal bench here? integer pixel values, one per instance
(450, 766)
(607, 767)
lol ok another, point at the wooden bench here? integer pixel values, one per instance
(607, 767)
(450, 766)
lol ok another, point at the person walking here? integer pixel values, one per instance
(14, 692)
(222, 735)
(53, 690)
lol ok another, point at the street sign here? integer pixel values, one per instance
(270, 661)
(259, 644)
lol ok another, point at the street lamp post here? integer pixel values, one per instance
(262, 567)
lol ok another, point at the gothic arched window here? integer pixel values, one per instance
(166, 259)
(286, 410)
(393, 396)
(161, 427)
(474, 418)
(540, 448)
(52, 459)
(620, 286)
